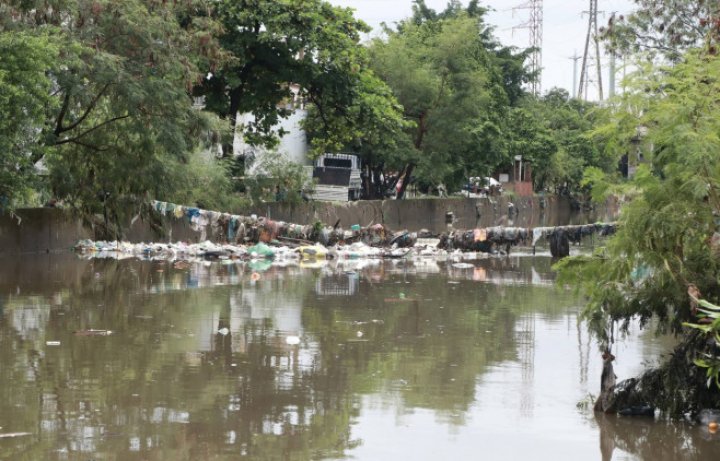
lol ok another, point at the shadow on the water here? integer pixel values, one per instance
(647, 438)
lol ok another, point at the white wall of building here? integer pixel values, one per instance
(293, 145)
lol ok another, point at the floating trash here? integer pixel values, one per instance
(10, 435)
(93, 332)
(463, 266)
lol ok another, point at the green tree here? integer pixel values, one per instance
(372, 127)
(569, 122)
(667, 247)
(455, 83)
(121, 112)
(528, 137)
(25, 88)
(274, 44)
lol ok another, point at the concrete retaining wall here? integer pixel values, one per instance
(430, 213)
(42, 230)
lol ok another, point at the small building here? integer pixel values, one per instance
(519, 179)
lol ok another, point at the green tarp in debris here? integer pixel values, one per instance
(261, 251)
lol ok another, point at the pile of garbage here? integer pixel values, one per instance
(238, 229)
(261, 251)
(239, 237)
(490, 239)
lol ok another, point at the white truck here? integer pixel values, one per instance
(337, 178)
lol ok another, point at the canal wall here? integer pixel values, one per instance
(430, 214)
(41, 230)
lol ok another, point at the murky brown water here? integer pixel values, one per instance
(365, 361)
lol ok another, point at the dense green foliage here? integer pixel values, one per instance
(668, 243)
(110, 95)
(373, 127)
(24, 95)
(457, 84)
(276, 43)
(119, 116)
(553, 132)
(101, 115)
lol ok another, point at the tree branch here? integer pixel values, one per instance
(321, 111)
(61, 116)
(648, 38)
(74, 139)
(90, 107)
(88, 146)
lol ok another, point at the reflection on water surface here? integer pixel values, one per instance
(367, 360)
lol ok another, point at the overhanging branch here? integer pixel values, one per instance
(86, 132)
(90, 107)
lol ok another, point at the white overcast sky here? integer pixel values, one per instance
(564, 28)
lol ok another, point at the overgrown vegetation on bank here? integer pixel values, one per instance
(663, 262)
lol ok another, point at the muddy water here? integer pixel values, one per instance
(140, 360)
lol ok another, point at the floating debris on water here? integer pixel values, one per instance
(259, 238)
(10, 435)
(93, 332)
(463, 266)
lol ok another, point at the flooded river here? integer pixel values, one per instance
(150, 360)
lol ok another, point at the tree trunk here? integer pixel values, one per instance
(422, 129)
(235, 96)
(405, 181)
(380, 182)
(367, 181)
(407, 174)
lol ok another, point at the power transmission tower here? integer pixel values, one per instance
(535, 25)
(575, 59)
(592, 35)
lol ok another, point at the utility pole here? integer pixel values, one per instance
(592, 35)
(535, 25)
(575, 59)
(611, 83)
